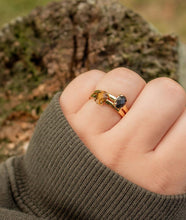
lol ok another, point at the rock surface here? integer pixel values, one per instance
(182, 65)
(42, 52)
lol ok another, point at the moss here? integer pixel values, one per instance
(27, 106)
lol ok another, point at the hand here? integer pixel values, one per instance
(148, 145)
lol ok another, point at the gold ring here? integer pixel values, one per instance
(118, 103)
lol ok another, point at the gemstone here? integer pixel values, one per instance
(101, 97)
(120, 101)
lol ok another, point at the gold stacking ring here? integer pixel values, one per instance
(118, 103)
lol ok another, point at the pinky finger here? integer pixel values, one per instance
(172, 148)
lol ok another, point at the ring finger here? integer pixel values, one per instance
(116, 82)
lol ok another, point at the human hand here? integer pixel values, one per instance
(148, 145)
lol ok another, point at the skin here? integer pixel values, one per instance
(148, 145)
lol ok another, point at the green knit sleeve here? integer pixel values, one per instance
(6, 214)
(59, 178)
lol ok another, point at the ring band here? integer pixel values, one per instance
(118, 103)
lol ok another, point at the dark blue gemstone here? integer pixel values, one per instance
(120, 101)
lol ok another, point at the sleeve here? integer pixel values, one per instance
(59, 178)
(6, 214)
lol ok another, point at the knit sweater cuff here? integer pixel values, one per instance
(59, 178)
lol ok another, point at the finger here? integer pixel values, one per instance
(156, 109)
(170, 156)
(78, 91)
(173, 145)
(98, 119)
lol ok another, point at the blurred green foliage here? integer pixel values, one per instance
(168, 16)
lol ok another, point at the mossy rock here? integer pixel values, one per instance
(75, 36)
(42, 52)
(182, 65)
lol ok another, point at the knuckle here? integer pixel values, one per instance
(122, 72)
(93, 72)
(170, 87)
(91, 77)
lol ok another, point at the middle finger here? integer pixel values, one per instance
(156, 109)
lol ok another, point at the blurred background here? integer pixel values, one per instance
(23, 99)
(168, 16)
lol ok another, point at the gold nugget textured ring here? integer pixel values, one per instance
(118, 103)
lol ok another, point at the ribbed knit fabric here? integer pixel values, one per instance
(59, 178)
